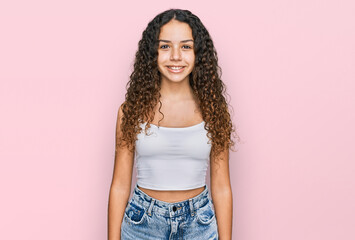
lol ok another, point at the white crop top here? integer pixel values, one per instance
(172, 158)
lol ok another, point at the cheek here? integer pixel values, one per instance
(161, 62)
(190, 57)
(191, 60)
(162, 57)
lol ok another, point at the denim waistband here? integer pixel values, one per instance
(168, 209)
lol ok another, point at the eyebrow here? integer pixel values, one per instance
(162, 40)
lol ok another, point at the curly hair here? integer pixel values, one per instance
(143, 88)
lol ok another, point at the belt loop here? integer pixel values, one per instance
(191, 207)
(150, 207)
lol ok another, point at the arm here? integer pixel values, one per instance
(120, 186)
(221, 194)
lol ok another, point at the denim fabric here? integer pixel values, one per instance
(149, 218)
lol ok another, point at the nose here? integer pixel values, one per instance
(175, 54)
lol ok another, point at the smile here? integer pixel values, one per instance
(175, 69)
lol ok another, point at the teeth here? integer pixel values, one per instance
(175, 68)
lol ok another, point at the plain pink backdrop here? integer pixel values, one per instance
(289, 70)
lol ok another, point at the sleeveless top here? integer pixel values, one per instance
(171, 158)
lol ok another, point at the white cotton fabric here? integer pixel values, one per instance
(172, 158)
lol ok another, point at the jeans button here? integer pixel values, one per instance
(174, 208)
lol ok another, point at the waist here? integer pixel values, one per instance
(172, 196)
(170, 209)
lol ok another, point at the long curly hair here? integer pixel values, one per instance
(143, 88)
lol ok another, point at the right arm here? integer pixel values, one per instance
(121, 184)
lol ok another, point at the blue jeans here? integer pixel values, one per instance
(148, 218)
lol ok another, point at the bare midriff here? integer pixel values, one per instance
(172, 196)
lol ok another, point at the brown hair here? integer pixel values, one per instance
(143, 92)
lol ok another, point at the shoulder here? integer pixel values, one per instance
(119, 117)
(120, 111)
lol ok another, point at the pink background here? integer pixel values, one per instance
(288, 67)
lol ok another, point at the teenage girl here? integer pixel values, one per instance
(174, 122)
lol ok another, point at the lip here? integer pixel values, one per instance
(177, 70)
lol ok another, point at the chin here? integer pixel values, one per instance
(180, 79)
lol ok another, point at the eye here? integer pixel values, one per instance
(187, 46)
(163, 46)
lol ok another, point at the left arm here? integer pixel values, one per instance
(221, 194)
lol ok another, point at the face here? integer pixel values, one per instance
(176, 55)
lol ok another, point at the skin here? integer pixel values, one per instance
(180, 110)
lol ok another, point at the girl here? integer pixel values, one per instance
(174, 122)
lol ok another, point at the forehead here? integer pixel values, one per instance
(175, 31)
